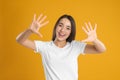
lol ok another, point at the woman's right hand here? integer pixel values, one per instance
(37, 24)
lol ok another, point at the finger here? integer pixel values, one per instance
(95, 27)
(88, 29)
(39, 17)
(42, 19)
(90, 26)
(85, 30)
(43, 24)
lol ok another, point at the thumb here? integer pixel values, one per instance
(39, 34)
(85, 40)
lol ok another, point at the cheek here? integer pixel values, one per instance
(68, 32)
(57, 28)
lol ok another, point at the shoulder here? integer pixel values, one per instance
(74, 42)
(42, 42)
(78, 44)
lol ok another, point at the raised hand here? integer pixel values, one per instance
(91, 33)
(37, 24)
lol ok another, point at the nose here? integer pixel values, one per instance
(62, 29)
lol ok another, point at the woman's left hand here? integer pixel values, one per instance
(91, 33)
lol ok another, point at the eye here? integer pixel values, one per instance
(68, 28)
(60, 25)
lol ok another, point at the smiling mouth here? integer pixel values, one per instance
(60, 34)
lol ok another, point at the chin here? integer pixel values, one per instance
(61, 39)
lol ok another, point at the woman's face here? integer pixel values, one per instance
(63, 29)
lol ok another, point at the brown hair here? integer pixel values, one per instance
(73, 28)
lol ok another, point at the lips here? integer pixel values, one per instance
(61, 34)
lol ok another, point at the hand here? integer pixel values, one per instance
(91, 33)
(37, 24)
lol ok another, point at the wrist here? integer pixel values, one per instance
(95, 41)
(29, 30)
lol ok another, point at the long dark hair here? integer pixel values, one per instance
(73, 28)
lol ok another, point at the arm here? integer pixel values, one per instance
(22, 38)
(97, 46)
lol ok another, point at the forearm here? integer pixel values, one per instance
(23, 36)
(100, 47)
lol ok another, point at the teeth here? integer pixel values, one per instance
(61, 34)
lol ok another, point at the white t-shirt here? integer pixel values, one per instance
(60, 63)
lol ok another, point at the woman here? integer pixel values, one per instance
(60, 55)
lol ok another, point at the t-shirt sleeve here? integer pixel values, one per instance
(39, 46)
(79, 47)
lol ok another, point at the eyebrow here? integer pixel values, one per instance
(60, 23)
(67, 26)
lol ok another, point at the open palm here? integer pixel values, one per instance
(37, 24)
(91, 33)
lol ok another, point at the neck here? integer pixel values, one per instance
(60, 44)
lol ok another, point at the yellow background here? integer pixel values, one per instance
(20, 63)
